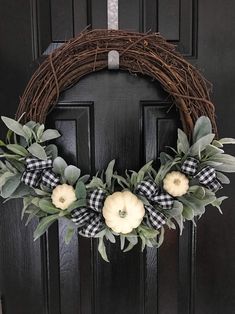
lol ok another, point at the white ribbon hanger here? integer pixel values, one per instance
(113, 55)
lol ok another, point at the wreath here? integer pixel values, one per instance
(138, 205)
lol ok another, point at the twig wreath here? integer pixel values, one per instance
(140, 204)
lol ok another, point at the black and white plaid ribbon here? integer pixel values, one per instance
(90, 218)
(151, 192)
(39, 171)
(206, 176)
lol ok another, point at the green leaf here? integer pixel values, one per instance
(164, 157)
(84, 178)
(72, 174)
(109, 173)
(18, 165)
(96, 183)
(201, 144)
(147, 232)
(217, 144)
(10, 186)
(109, 236)
(46, 206)
(69, 234)
(198, 191)
(2, 143)
(122, 241)
(224, 141)
(14, 126)
(80, 190)
(132, 238)
(121, 181)
(179, 220)
(37, 151)
(28, 132)
(49, 134)
(102, 249)
(161, 237)
(212, 150)
(40, 132)
(226, 168)
(77, 204)
(224, 158)
(182, 142)
(41, 192)
(202, 128)
(188, 213)
(22, 190)
(4, 177)
(217, 202)
(227, 162)
(176, 210)
(17, 149)
(31, 124)
(33, 212)
(59, 165)
(147, 167)
(43, 225)
(51, 151)
(26, 202)
(129, 247)
(222, 178)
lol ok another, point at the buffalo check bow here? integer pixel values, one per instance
(151, 192)
(206, 176)
(90, 218)
(39, 171)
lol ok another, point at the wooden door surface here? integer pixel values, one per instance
(107, 115)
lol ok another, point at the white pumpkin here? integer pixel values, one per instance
(123, 212)
(63, 196)
(176, 183)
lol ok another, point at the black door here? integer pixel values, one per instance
(116, 115)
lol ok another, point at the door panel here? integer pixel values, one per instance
(117, 115)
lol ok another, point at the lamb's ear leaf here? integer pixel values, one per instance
(37, 151)
(49, 134)
(11, 185)
(14, 126)
(72, 174)
(202, 128)
(80, 190)
(102, 249)
(43, 225)
(46, 206)
(69, 234)
(201, 144)
(52, 151)
(109, 173)
(59, 165)
(182, 142)
(17, 149)
(225, 141)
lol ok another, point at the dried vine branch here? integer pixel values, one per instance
(148, 54)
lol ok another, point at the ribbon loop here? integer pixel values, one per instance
(190, 166)
(206, 176)
(164, 200)
(147, 189)
(96, 199)
(151, 192)
(156, 218)
(90, 218)
(39, 171)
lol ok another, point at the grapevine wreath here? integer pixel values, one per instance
(140, 204)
